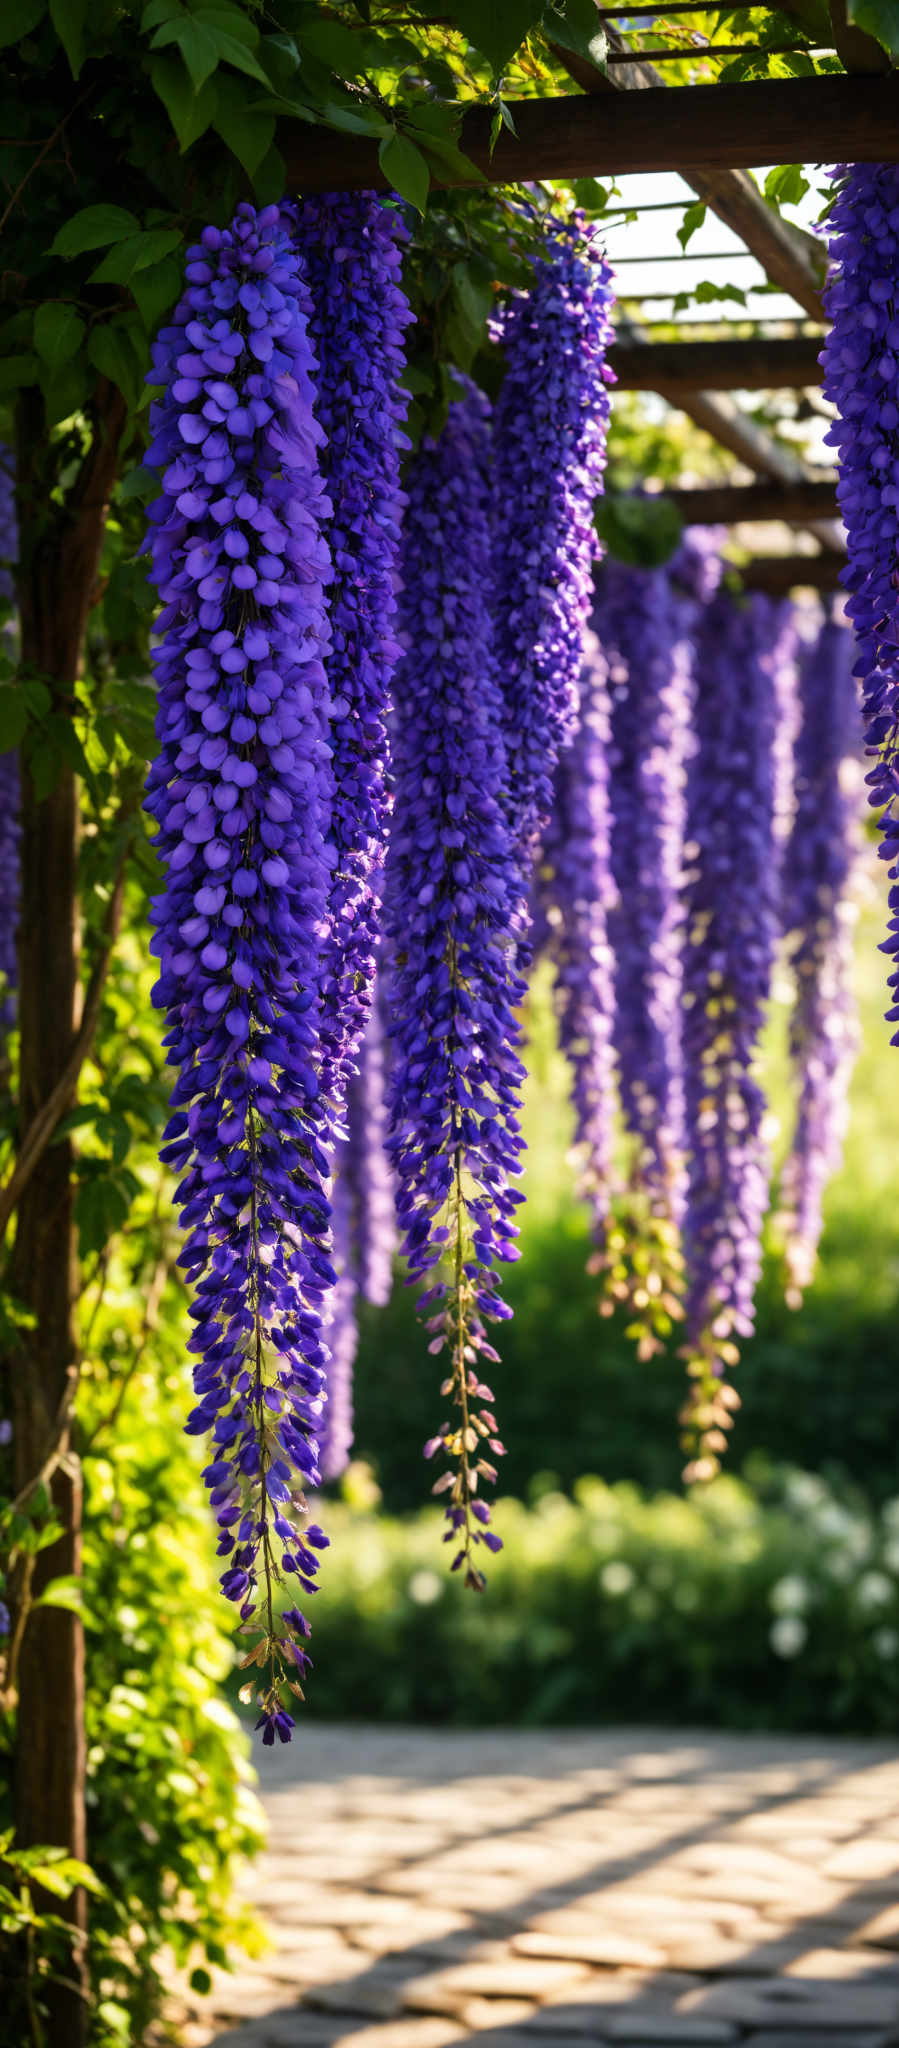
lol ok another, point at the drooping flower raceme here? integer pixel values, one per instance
(364, 1237)
(241, 793)
(451, 910)
(574, 896)
(551, 423)
(730, 940)
(351, 251)
(860, 359)
(9, 764)
(819, 916)
(638, 624)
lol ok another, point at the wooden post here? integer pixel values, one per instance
(59, 555)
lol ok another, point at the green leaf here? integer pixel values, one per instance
(155, 290)
(95, 227)
(13, 716)
(578, 27)
(641, 530)
(58, 334)
(694, 217)
(447, 156)
(112, 352)
(66, 1591)
(406, 169)
(190, 112)
(137, 252)
(337, 46)
(589, 194)
(498, 29)
(16, 371)
(234, 40)
(19, 18)
(200, 1981)
(248, 133)
(68, 18)
(198, 48)
(786, 185)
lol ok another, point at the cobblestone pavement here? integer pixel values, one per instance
(549, 1890)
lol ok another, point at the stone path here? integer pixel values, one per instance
(549, 1890)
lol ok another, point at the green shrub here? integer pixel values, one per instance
(171, 1810)
(769, 1608)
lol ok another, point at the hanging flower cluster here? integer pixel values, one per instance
(451, 910)
(730, 938)
(548, 467)
(860, 367)
(351, 251)
(574, 898)
(241, 793)
(819, 916)
(639, 624)
(9, 765)
(364, 1237)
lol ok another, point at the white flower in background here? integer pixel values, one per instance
(890, 1514)
(891, 1554)
(788, 1635)
(886, 1642)
(790, 1595)
(802, 1489)
(874, 1590)
(424, 1588)
(617, 1578)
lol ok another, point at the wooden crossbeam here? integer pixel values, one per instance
(683, 367)
(779, 574)
(829, 118)
(790, 257)
(731, 504)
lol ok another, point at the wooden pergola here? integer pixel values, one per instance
(624, 118)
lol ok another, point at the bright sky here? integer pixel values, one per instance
(660, 267)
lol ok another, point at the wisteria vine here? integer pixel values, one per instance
(549, 458)
(241, 793)
(859, 361)
(364, 1237)
(351, 250)
(573, 901)
(9, 766)
(451, 909)
(732, 927)
(819, 916)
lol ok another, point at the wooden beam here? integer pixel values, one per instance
(732, 504)
(683, 367)
(710, 128)
(790, 257)
(779, 574)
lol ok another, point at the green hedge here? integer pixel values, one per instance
(773, 1607)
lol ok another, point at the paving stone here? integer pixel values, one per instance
(870, 1858)
(803, 2004)
(606, 1951)
(845, 1965)
(837, 2040)
(375, 1998)
(483, 2014)
(880, 1932)
(671, 2030)
(521, 1977)
(405, 2033)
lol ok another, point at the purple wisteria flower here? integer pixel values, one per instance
(364, 1237)
(639, 624)
(860, 359)
(351, 251)
(550, 435)
(730, 939)
(819, 916)
(10, 831)
(241, 793)
(574, 897)
(452, 907)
